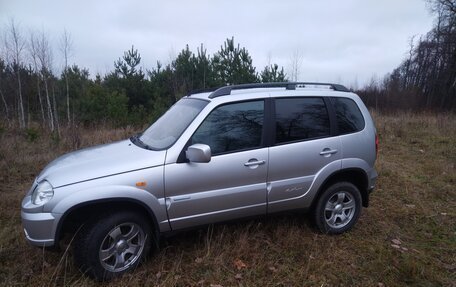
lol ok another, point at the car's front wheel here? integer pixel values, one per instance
(112, 244)
(338, 208)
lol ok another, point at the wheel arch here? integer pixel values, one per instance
(356, 176)
(76, 215)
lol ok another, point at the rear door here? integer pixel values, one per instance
(233, 183)
(303, 144)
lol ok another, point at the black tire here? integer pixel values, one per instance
(113, 234)
(338, 208)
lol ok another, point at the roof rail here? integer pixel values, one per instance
(223, 91)
(198, 91)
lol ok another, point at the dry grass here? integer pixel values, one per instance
(414, 203)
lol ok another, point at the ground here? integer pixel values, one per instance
(406, 237)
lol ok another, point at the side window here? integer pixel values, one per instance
(232, 127)
(348, 115)
(301, 119)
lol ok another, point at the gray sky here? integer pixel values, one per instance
(339, 41)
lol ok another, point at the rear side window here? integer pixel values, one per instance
(348, 115)
(300, 119)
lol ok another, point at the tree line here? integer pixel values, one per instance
(426, 79)
(31, 91)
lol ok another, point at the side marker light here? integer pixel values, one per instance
(141, 183)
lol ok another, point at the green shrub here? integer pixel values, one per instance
(31, 134)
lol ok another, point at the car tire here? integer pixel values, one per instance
(112, 245)
(338, 208)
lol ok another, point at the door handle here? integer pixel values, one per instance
(328, 152)
(254, 162)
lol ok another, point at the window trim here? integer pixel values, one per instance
(332, 123)
(332, 117)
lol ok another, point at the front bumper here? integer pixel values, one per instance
(40, 228)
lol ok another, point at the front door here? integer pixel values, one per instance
(233, 183)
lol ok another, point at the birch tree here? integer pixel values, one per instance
(15, 45)
(44, 56)
(2, 95)
(33, 50)
(66, 45)
(295, 65)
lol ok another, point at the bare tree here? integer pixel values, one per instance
(426, 79)
(4, 101)
(56, 115)
(33, 50)
(446, 6)
(5, 104)
(295, 64)
(15, 45)
(66, 47)
(44, 56)
(2, 68)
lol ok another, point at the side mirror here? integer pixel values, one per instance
(198, 153)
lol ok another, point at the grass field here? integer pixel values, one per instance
(407, 237)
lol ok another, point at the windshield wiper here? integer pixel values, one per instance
(135, 139)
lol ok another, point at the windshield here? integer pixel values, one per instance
(164, 132)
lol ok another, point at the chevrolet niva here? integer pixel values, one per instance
(237, 151)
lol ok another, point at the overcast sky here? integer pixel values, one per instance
(344, 41)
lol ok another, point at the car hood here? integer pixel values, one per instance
(99, 161)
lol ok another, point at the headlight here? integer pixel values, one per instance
(42, 193)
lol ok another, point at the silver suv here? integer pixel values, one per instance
(237, 151)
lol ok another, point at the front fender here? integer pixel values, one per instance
(116, 193)
(150, 193)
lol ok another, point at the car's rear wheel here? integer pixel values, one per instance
(112, 245)
(338, 208)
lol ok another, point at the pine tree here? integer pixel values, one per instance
(233, 65)
(129, 79)
(273, 74)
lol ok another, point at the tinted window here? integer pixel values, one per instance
(232, 127)
(301, 119)
(348, 115)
